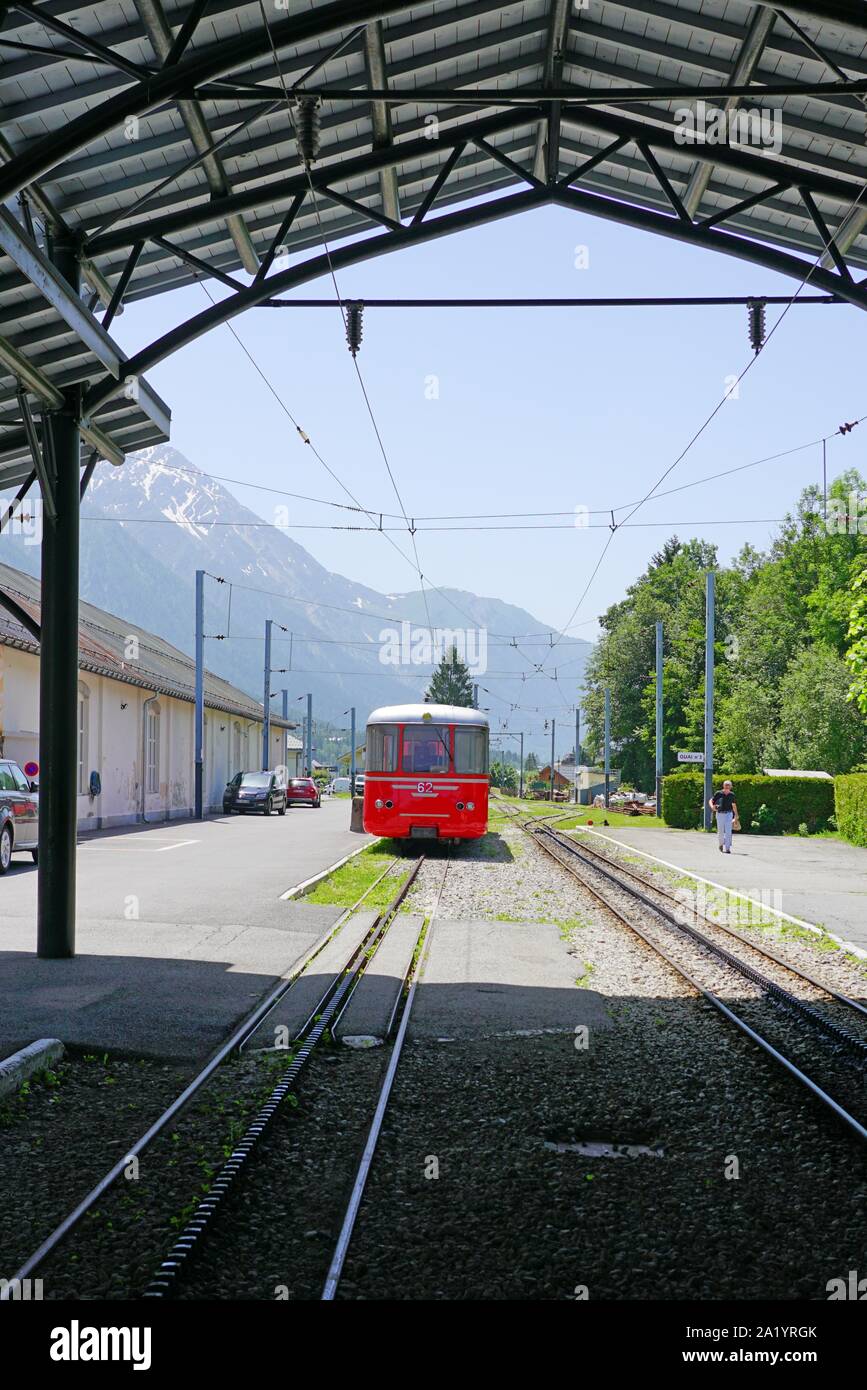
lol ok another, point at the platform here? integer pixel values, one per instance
(371, 1008)
(182, 929)
(823, 882)
(487, 979)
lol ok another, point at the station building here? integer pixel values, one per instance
(135, 749)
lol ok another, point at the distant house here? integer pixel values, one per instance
(562, 780)
(591, 783)
(792, 772)
(135, 716)
(294, 755)
(345, 759)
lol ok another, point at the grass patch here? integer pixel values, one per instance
(581, 815)
(346, 885)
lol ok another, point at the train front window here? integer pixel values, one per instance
(381, 753)
(426, 748)
(471, 750)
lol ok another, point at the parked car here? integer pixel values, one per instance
(19, 814)
(255, 791)
(340, 785)
(303, 791)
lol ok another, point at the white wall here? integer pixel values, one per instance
(115, 744)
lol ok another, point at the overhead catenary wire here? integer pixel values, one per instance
(196, 473)
(759, 351)
(350, 334)
(428, 530)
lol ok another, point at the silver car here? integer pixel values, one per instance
(19, 814)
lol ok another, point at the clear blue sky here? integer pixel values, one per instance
(538, 410)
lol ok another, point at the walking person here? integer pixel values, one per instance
(726, 808)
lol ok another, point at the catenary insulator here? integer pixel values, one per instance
(756, 312)
(307, 128)
(354, 325)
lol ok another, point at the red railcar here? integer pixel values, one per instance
(426, 773)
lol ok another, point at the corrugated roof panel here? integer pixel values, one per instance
(115, 176)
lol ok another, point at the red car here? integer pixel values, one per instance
(303, 791)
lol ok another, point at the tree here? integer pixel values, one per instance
(504, 775)
(745, 729)
(451, 682)
(531, 763)
(819, 726)
(856, 653)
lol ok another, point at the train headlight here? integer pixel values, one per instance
(378, 805)
(459, 805)
(389, 805)
(471, 806)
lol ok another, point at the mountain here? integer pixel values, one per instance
(148, 526)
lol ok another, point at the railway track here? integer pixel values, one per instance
(810, 1024)
(331, 1004)
(341, 1249)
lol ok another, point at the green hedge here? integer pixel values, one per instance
(793, 800)
(850, 798)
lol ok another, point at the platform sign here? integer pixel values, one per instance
(690, 757)
(31, 769)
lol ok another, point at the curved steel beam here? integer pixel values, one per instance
(204, 64)
(594, 204)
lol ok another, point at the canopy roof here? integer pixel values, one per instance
(163, 136)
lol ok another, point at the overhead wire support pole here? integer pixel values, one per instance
(577, 748)
(658, 719)
(352, 772)
(199, 715)
(266, 721)
(708, 696)
(58, 664)
(607, 746)
(553, 730)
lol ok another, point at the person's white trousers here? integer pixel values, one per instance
(724, 828)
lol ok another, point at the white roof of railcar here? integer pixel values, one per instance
(439, 714)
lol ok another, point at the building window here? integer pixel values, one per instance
(236, 749)
(152, 748)
(83, 725)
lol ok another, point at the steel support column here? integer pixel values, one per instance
(708, 697)
(58, 671)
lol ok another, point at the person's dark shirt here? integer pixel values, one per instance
(724, 801)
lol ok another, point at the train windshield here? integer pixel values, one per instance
(381, 753)
(471, 750)
(426, 748)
